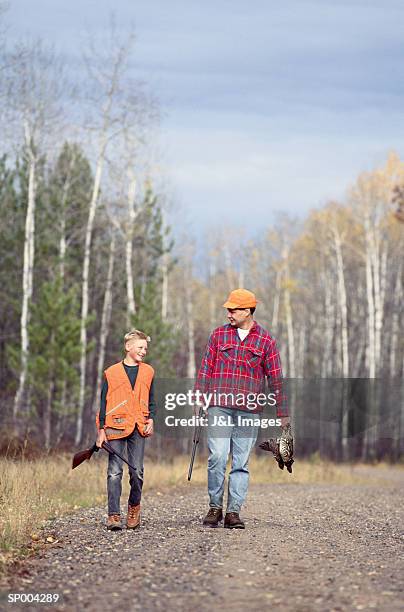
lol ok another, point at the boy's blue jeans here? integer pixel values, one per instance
(134, 445)
(227, 435)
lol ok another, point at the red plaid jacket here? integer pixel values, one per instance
(234, 370)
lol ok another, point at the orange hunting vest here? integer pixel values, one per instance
(126, 407)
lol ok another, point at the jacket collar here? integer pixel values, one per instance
(254, 329)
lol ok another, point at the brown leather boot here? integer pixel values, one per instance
(213, 517)
(133, 517)
(114, 522)
(233, 521)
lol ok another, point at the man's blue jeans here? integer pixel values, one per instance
(134, 445)
(226, 435)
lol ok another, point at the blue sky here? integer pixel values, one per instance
(267, 106)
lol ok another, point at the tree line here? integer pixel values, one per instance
(87, 253)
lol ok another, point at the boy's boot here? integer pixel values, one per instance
(133, 518)
(114, 522)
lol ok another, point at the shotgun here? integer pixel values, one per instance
(88, 453)
(195, 441)
(84, 455)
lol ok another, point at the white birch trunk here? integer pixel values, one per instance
(212, 305)
(241, 277)
(359, 314)
(84, 296)
(342, 301)
(131, 305)
(301, 350)
(395, 323)
(289, 320)
(290, 334)
(380, 291)
(27, 282)
(229, 274)
(375, 265)
(371, 356)
(327, 365)
(62, 237)
(105, 321)
(359, 358)
(277, 297)
(191, 368)
(343, 315)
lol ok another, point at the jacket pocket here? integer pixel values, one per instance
(227, 352)
(117, 421)
(113, 431)
(254, 357)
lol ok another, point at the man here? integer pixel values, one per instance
(239, 357)
(125, 419)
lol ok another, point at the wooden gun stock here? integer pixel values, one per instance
(84, 455)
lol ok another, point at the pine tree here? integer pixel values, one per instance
(149, 249)
(69, 188)
(55, 350)
(163, 343)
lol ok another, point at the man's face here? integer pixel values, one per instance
(137, 349)
(237, 316)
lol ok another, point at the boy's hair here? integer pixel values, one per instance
(135, 334)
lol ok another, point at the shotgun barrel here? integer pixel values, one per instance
(195, 442)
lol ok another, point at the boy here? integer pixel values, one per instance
(126, 419)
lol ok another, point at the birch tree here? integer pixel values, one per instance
(287, 288)
(164, 283)
(189, 310)
(371, 198)
(121, 103)
(131, 305)
(105, 318)
(35, 84)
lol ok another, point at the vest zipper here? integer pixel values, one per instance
(115, 407)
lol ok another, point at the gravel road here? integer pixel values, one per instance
(305, 548)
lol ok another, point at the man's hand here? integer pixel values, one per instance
(102, 437)
(197, 408)
(149, 428)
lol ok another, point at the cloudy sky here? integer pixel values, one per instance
(268, 106)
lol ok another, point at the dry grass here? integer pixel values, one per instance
(33, 491)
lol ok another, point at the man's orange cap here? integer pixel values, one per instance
(241, 298)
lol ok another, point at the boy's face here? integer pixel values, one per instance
(137, 349)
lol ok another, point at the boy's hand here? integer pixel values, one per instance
(102, 437)
(149, 428)
(285, 421)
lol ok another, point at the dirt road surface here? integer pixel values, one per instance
(305, 548)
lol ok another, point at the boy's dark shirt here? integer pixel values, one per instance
(131, 371)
